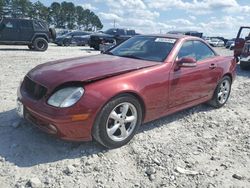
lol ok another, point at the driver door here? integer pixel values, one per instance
(242, 36)
(189, 84)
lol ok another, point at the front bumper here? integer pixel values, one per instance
(67, 124)
(63, 128)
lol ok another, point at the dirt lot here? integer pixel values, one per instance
(198, 147)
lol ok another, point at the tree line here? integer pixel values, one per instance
(61, 15)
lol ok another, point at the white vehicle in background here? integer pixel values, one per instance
(216, 42)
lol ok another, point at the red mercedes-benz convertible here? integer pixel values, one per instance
(108, 96)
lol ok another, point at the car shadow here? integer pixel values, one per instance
(26, 146)
(15, 49)
(174, 117)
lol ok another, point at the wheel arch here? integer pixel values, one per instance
(123, 93)
(133, 94)
(229, 75)
(40, 35)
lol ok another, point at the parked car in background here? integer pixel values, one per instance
(119, 35)
(190, 33)
(232, 46)
(106, 46)
(242, 36)
(78, 38)
(245, 56)
(229, 43)
(108, 96)
(216, 42)
(34, 33)
(60, 32)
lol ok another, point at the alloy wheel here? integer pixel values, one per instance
(121, 122)
(223, 92)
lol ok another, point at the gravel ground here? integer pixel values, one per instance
(197, 147)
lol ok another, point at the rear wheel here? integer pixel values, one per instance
(118, 121)
(221, 93)
(40, 44)
(52, 33)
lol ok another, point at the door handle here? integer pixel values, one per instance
(212, 66)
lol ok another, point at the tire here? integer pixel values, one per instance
(221, 93)
(66, 43)
(40, 44)
(31, 47)
(114, 132)
(52, 33)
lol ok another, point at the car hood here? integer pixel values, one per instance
(84, 69)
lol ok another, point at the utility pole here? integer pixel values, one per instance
(114, 23)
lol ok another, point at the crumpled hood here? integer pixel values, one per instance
(53, 74)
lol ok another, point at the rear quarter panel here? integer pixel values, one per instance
(227, 66)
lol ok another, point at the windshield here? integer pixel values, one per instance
(145, 47)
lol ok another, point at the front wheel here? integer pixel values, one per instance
(118, 121)
(221, 93)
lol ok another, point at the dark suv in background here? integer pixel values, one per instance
(110, 36)
(34, 33)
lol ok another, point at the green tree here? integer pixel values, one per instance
(21, 8)
(39, 11)
(64, 15)
(2, 3)
(79, 16)
(68, 14)
(54, 14)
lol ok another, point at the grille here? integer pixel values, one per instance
(33, 89)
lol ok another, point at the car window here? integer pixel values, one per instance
(111, 32)
(40, 26)
(202, 51)
(245, 33)
(195, 49)
(130, 32)
(186, 50)
(145, 47)
(10, 24)
(79, 33)
(25, 24)
(121, 32)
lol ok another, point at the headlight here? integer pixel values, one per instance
(66, 97)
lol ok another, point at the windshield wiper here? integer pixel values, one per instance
(130, 56)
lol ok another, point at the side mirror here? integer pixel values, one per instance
(186, 62)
